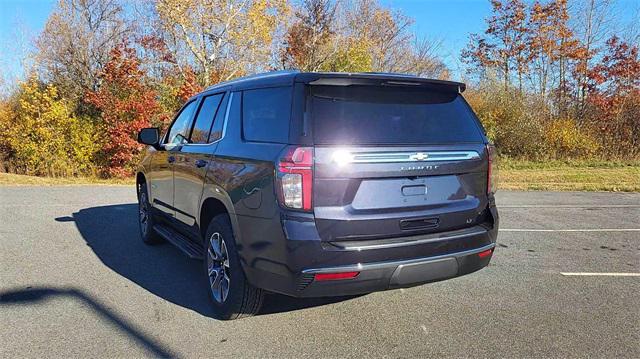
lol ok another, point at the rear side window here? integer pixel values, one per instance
(265, 114)
(204, 120)
(363, 115)
(218, 123)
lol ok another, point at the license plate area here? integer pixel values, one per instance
(419, 223)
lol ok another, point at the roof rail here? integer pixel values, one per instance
(261, 75)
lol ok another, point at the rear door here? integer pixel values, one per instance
(394, 161)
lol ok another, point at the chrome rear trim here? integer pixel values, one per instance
(429, 156)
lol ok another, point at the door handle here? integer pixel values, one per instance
(201, 163)
(171, 159)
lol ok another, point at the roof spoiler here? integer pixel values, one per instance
(380, 79)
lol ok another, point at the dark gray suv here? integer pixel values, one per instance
(321, 184)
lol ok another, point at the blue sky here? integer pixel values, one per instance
(447, 21)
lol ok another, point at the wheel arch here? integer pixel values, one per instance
(214, 201)
(210, 208)
(140, 180)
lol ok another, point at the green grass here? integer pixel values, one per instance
(10, 179)
(611, 176)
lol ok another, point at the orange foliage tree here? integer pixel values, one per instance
(503, 46)
(126, 105)
(615, 94)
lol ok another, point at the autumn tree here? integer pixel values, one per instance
(503, 45)
(615, 94)
(592, 24)
(75, 43)
(310, 42)
(391, 43)
(386, 31)
(220, 39)
(358, 36)
(126, 105)
(43, 137)
(552, 45)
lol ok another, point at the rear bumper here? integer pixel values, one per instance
(287, 260)
(397, 274)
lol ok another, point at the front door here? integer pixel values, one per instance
(190, 167)
(162, 162)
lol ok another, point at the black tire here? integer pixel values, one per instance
(241, 299)
(147, 233)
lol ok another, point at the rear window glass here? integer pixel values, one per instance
(390, 115)
(265, 114)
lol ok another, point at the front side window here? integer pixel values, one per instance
(179, 131)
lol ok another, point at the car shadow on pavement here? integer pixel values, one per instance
(112, 233)
(35, 295)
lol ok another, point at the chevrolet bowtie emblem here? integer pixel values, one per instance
(420, 156)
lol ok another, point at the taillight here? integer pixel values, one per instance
(295, 178)
(334, 276)
(492, 169)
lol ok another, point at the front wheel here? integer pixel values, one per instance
(232, 296)
(145, 219)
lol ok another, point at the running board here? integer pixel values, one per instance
(187, 246)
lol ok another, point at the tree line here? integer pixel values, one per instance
(545, 77)
(554, 80)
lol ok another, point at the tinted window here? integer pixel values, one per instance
(218, 123)
(179, 131)
(265, 114)
(204, 120)
(391, 115)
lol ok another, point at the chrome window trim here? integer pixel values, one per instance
(418, 156)
(224, 125)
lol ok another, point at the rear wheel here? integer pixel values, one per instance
(145, 219)
(232, 296)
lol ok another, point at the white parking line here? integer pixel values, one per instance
(575, 205)
(569, 206)
(586, 274)
(570, 230)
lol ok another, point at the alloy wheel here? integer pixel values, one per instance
(218, 267)
(143, 212)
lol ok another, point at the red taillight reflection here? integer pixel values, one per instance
(335, 276)
(491, 169)
(485, 254)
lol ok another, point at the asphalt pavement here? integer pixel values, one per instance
(76, 281)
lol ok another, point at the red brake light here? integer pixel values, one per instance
(485, 254)
(335, 276)
(295, 177)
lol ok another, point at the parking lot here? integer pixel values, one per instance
(75, 280)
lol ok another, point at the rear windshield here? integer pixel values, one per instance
(364, 115)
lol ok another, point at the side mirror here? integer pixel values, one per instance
(149, 136)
